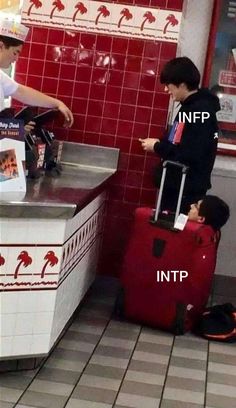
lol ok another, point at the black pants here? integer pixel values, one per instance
(170, 198)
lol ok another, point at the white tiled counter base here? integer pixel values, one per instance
(46, 267)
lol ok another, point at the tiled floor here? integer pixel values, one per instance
(104, 363)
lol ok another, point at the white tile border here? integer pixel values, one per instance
(106, 18)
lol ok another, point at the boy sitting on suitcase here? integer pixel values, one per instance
(211, 210)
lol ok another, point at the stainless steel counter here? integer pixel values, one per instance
(85, 170)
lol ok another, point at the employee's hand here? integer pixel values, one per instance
(148, 144)
(29, 127)
(30, 96)
(69, 120)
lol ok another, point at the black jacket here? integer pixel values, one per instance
(198, 145)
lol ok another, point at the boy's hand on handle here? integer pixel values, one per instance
(148, 144)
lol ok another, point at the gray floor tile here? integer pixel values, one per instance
(28, 373)
(185, 383)
(124, 325)
(136, 401)
(24, 406)
(218, 401)
(86, 393)
(192, 344)
(137, 388)
(76, 345)
(222, 348)
(100, 382)
(156, 337)
(207, 406)
(50, 387)
(147, 367)
(6, 404)
(65, 364)
(40, 400)
(104, 371)
(87, 328)
(113, 352)
(14, 380)
(121, 334)
(90, 320)
(60, 376)
(218, 378)
(179, 404)
(85, 337)
(121, 406)
(75, 403)
(117, 342)
(186, 396)
(222, 358)
(9, 394)
(70, 355)
(188, 363)
(190, 354)
(150, 357)
(109, 361)
(187, 373)
(153, 348)
(222, 368)
(222, 389)
(192, 337)
(145, 378)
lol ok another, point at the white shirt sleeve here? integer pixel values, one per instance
(7, 84)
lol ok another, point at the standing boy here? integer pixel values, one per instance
(193, 137)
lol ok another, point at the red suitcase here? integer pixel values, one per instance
(167, 274)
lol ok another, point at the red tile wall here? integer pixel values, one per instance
(112, 86)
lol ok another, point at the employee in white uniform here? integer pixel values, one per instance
(12, 37)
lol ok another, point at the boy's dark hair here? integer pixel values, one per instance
(215, 211)
(10, 42)
(181, 70)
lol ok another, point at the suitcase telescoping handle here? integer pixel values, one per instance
(159, 196)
